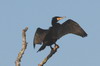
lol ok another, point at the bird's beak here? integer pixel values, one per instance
(61, 18)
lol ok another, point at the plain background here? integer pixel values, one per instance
(15, 15)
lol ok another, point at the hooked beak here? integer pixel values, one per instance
(61, 18)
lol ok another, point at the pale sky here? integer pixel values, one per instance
(15, 15)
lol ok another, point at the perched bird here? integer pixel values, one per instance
(48, 37)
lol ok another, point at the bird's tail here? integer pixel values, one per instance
(41, 48)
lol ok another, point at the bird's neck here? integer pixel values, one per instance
(54, 22)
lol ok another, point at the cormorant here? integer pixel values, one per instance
(48, 37)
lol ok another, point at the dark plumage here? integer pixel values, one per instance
(56, 31)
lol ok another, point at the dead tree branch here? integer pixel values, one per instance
(24, 45)
(53, 51)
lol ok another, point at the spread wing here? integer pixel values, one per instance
(39, 36)
(71, 26)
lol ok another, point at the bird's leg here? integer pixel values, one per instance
(51, 47)
(56, 45)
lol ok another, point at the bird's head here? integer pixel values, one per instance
(56, 19)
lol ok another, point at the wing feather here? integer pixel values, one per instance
(71, 26)
(39, 36)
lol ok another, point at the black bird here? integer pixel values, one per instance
(48, 37)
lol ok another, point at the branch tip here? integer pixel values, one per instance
(24, 45)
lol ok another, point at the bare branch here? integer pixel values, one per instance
(24, 45)
(53, 51)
